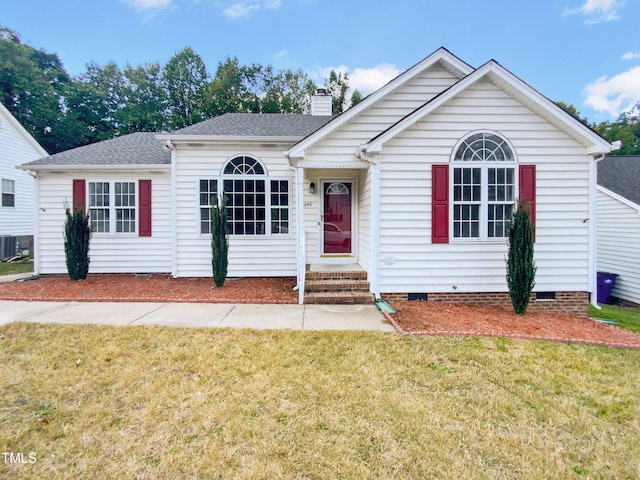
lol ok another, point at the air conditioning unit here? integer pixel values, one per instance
(8, 247)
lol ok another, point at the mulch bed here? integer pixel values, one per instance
(440, 318)
(150, 288)
(412, 318)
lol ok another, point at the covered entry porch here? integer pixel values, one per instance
(337, 231)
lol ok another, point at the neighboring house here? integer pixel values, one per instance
(17, 204)
(618, 231)
(406, 195)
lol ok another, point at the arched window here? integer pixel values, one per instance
(483, 186)
(256, 204)
(243, 166)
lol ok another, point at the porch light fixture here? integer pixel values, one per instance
(312, 187)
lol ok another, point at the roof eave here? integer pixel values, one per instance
(592, 141)
(452, 63)
(209, 139)
(119, 167)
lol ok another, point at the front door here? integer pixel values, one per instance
(337, 217)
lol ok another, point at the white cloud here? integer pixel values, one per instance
(616, 94)
(369, 79)
(631, 56)
(146, 5)
(597, 11)
(366, 80)
(246, 8)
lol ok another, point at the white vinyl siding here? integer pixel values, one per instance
(562, 200)
(16, 148)
(269, 255)
(618, 231)
(108, 253)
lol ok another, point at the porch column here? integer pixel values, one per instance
(300, 234)
(374, 168)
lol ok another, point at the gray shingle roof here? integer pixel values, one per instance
(621, 175)
(257, 124)
(134, 149)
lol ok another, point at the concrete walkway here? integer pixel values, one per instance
(296, 317)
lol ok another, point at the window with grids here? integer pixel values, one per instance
(279, 206)
(8, 192)
(483, 185)
(112, 202)
(125, 206)
(256, 205)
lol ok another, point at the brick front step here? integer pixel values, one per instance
(337, 286)
(329, 298)
(355, 275)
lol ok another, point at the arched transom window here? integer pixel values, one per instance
(256, 203)
(483, 186)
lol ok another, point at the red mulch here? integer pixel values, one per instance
(439, 318)
(151, 288)
(412, 318)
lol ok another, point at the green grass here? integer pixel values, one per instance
(627, 317)
(157, 402)
(18, 266)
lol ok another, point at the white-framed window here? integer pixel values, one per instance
(112, 207)
(8, 192)
(483, 186)
(256, 203)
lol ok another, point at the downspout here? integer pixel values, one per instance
(174, 209)
(36, 232)
(593, 258)
(374, 167)
(593, 251)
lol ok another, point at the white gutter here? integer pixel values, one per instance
(374, 167)
(174, 209)
(593, 251)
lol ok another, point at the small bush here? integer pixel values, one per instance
(219, 243)
(77, 234)
(521, 268)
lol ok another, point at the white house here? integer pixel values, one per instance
(17, 204)
(618, 231)
(405, 195)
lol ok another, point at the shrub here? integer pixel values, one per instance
(521, 268)
(219, 243)
(77, 234)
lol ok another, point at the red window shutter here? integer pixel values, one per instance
(440, 203)
(527, 180)
(79, 195)
(144, 208)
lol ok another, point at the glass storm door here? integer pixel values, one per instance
(337, 217)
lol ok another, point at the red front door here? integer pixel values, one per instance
(337, 219)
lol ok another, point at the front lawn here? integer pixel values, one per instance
(17, 266)
(627, 317)
(157, 402)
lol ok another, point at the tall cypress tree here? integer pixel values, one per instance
(77, 233)
(219, 243)
(521, 268)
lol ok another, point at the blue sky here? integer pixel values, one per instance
(584, 52)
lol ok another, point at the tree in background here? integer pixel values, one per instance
(77, 234)
(185, 81)
(521, 268)
(145, 100)
(337, 86)
(31, 82)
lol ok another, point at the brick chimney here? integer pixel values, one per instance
(321, 103)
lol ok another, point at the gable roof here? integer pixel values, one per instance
(442, 56)
(253, 125)
(135, 149)
(621, 175)
(9, 118)
(508, 82)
